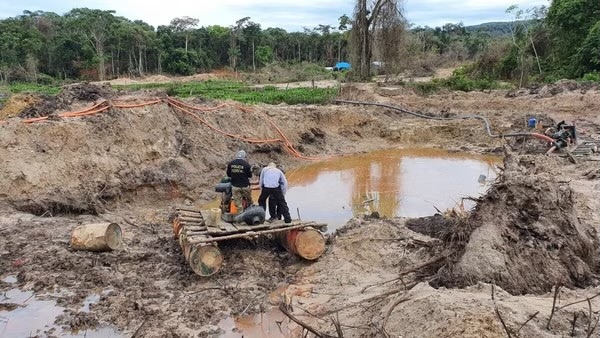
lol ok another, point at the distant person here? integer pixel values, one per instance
(273, 185)
(240, 173)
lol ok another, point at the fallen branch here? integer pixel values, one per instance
(138, 329)
(389, 311)
(556, 292)
(594, 328)
(307, 327)
(337, 325)
(575, 316)
(527, 321)
(503, 323)
(577, 302)
(406, 288)
(591, 316)
(406, 272)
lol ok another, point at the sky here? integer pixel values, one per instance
(290, 15)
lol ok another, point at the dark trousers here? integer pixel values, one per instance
(274, 211)
(274, 195)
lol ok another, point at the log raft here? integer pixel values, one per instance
(199, 241)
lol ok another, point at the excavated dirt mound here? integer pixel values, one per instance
(154, 153)
(17, 104)
(84, 91)
(525, 234)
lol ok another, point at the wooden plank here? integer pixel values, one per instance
(196, 216)
(195, 228)
(195, 233)
(242, 227)
(214, 230)
(185, 209)
(230, 227)
(253, 233)
(188, 219)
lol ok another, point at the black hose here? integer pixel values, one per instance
(464, 117)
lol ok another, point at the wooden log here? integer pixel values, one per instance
(307, 243)
(199, 221)
(177, 225)
(97, 237)
(204, 259)
(190, 214)
(195, 228)
(255, 233)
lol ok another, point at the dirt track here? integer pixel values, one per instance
(132, 166)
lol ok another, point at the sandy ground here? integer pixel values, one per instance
(133, 166)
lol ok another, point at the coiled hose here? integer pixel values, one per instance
(463, 117)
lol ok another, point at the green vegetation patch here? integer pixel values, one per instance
(217, 90)
(459, 80)
(16, 88)
(238, 91)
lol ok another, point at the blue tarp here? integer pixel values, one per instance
(342, 65)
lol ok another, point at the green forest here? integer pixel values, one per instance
(541, 44)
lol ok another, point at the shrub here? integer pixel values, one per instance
(592, 77)
(45, 79)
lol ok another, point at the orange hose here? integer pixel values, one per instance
(181, 103)
(286, 142)
(204, 122)
(137, 105)
(543, 137)
(81, 111)
(91, 112)
(181, 106)
(35, 119)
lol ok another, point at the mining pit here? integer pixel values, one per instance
(434, 228)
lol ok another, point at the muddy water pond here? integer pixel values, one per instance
(23, 314)
(394, 183)
(403, 182)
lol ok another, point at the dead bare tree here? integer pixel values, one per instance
(368, 14)
(389, 28)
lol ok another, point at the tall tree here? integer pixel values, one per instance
(184, 25)
(571, 22)
(93, 25)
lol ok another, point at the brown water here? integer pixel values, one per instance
(407, 183)
(398, 182)
(35, 316)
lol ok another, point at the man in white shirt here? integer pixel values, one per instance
(273, 184)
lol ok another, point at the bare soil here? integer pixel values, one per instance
(536, 228)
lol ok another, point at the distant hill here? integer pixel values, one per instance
(494, 29)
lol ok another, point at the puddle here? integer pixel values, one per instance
(395, 183)
(22, 314)
(89, 300)
(264, 325)
(10, 279)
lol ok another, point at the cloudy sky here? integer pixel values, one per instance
(288, 14)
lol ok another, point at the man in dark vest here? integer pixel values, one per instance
(240, 173)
